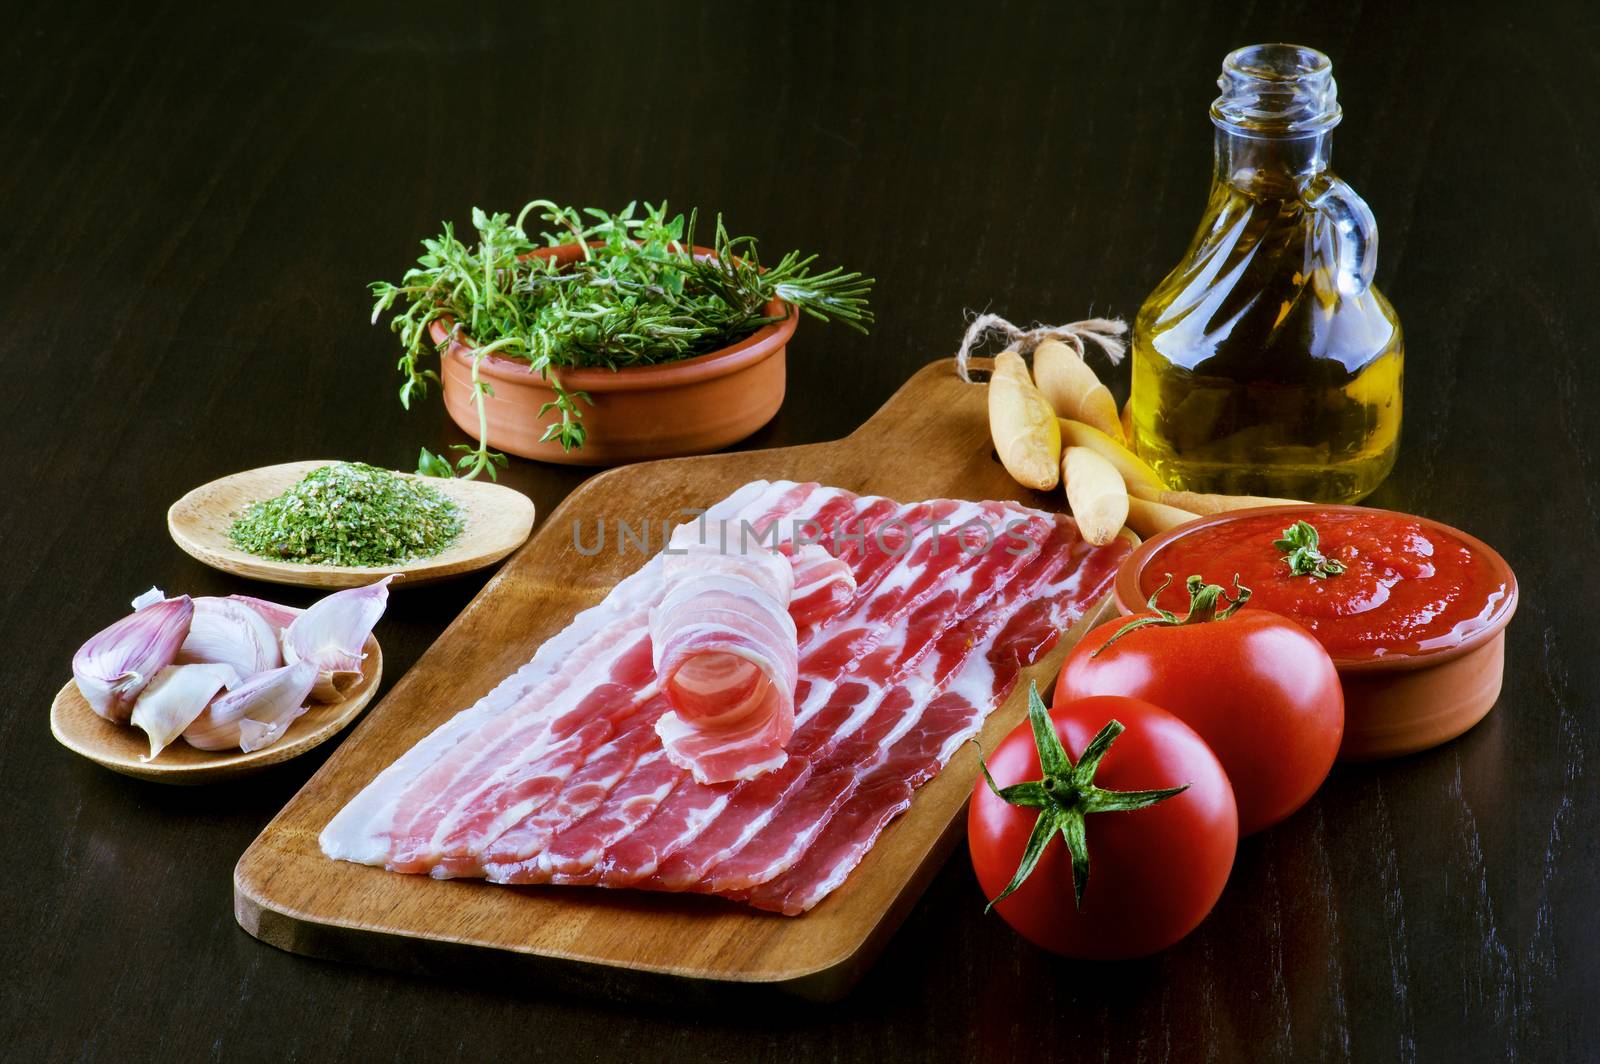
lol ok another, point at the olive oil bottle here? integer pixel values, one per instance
(1267, 362)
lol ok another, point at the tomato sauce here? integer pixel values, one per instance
(1407, 587)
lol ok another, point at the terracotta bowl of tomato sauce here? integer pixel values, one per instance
(1415, 623)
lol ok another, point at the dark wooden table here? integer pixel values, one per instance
(193, 204)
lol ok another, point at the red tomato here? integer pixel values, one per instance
(1260, 690)
(1153, 872)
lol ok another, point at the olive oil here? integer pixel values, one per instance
(1267, 363)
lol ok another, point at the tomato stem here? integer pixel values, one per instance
(1065, 796)
(1204, 599)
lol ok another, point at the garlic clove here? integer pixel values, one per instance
(333, 683)
(332, 632)
(120, 660)
(177, 695)
(280, 617)
(255, 735)
(264, 698)
(232, 633)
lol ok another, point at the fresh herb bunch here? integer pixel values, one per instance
(638, 297)
(1301, 548)
(349, 513)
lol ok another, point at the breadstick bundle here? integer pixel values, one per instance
(1060, 425)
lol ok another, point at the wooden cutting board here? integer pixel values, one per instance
(930, 440)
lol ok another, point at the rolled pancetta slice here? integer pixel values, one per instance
(725, 653)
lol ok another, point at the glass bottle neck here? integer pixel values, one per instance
(1270, 165)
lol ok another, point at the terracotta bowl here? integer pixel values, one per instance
(1400, 703)
(675, 408)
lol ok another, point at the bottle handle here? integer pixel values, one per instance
(1355, 231)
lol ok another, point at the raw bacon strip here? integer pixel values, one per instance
(362, 829)
(792, 831)
(894, 585)
(895, 574)
(605, 690)
(538, 781)
(482, 801)
(586, 789)
(697, 795)
(881, 794)
(833, 711)
(477, 793)
(798, 824)
(750, 810)
(690, 808)
(483, 815)
(615, 659)
(823, 585)
(573, 852)
(852, 832)
(572, 855)
(630, 733)
(726, 654)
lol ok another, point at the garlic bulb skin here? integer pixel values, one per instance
(177, 695)
(331, 634)
(265, 698)
(148, 598)
(120, 661)
(230, 632)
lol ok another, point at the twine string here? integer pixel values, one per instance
(1103, 333)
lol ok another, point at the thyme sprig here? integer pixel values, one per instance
(639, 296)
(1301, 549)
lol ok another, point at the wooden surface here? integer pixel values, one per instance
(930, 440)
(196, 195)
(497, 520)
(121, 748)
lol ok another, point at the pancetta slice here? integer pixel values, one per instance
(726, 653)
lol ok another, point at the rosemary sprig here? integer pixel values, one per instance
(638, 297)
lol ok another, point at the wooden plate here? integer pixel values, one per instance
(498, 520)
(118, 746)
(930, 440)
